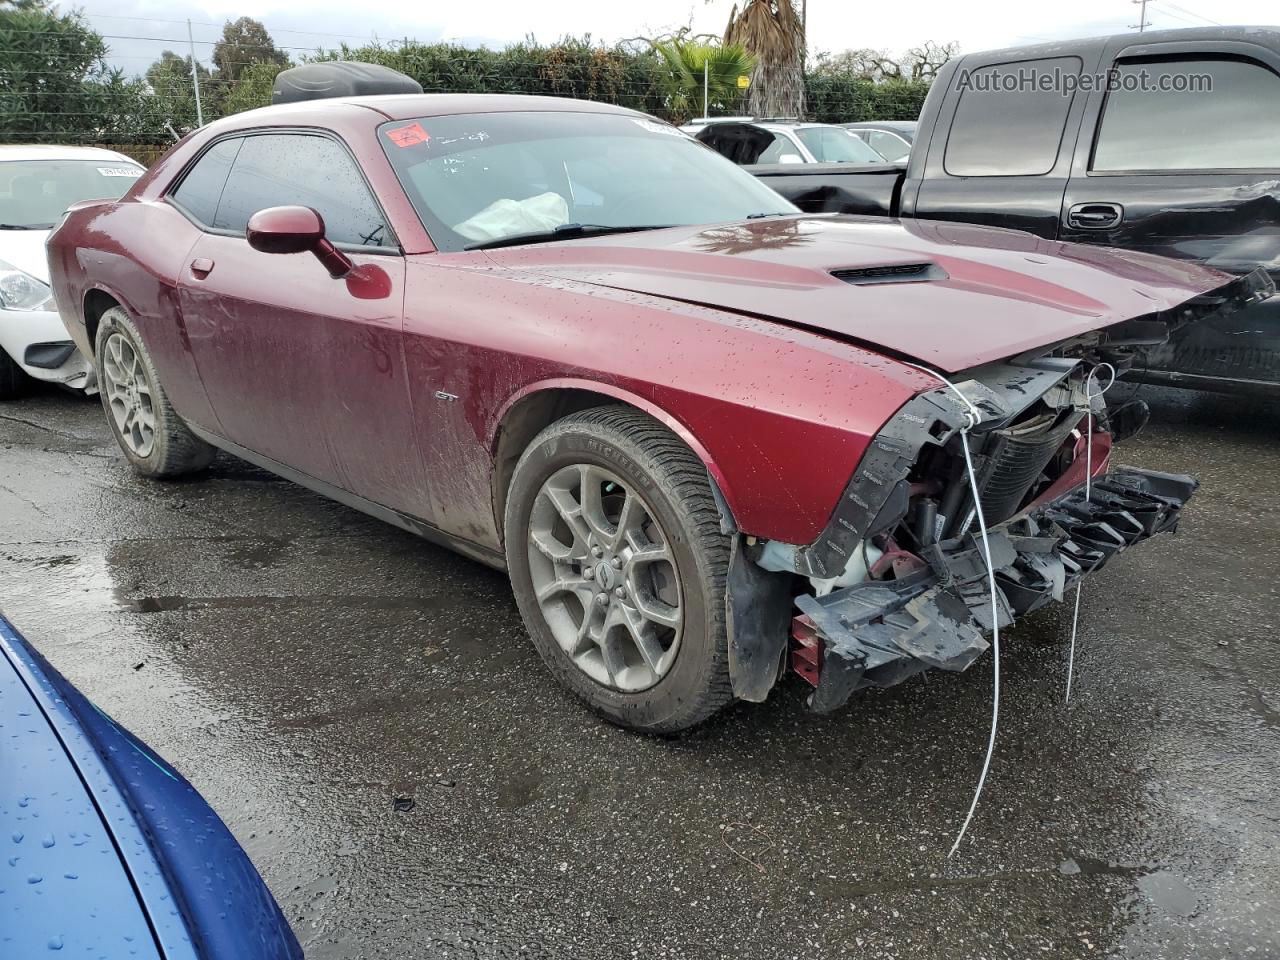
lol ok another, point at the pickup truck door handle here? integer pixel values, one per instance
(1094, 216)
(201, 267)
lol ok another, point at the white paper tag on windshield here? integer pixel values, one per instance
(132, 172)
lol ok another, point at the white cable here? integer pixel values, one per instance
(1088, 490)
(974, 419)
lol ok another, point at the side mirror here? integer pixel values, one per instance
(791, 158)
(296, 230)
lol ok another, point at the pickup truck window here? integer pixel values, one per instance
(1190, 115)
(1010, 118)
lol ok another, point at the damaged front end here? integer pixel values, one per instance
(897, 581)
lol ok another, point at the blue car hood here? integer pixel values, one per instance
(176, 866)
(62, 884)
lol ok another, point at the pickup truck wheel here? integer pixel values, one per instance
(13, 379)
(154, 439)
(618, 564)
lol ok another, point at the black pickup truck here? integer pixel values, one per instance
(1165, 142)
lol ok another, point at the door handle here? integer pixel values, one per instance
(201, 267)
(1094, 216)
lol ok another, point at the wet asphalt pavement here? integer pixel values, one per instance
(305, 666)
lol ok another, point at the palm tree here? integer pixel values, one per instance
(685, 61)
(773, 32)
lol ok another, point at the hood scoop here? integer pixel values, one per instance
(891, 273)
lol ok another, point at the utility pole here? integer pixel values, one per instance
(706, 108)
(195, 76)
(1142, 23)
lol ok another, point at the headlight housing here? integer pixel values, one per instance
(21, 291)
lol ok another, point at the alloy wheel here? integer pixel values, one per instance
(605, 578)
(128, 392)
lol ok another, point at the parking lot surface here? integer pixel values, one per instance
(366, 713)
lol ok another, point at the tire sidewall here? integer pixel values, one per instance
(115, 320)
(661, 705)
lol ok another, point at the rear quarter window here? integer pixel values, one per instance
(200, 189)
(1010, 118)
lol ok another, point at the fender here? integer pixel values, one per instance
(720, 483)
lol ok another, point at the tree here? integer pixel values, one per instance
(924, 62)
(772, 32)
(244, 41)
(253, 89)
(169, 83)
(920, 63)
(685, 62)
(55, 83)
(866, 63)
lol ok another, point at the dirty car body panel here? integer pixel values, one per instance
(779, 348)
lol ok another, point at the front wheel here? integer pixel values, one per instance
(153, 438)
(618, 565)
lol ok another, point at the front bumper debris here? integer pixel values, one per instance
(880, 632)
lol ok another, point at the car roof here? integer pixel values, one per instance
(763, 124)
(897, 126)
(1263, 35)
(408, 106)
(58, 152)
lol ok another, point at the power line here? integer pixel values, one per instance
(1192, 13)
(202, 23)
(175, 40)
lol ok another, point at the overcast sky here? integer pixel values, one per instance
(137, 30)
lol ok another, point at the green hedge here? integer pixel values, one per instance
(55, 86)
(847, 99)
(570, 68)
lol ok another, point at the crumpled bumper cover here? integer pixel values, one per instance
(878, 633)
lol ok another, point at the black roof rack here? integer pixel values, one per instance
(339, 78)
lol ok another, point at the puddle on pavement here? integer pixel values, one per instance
(1163, 889)
(1169, 892)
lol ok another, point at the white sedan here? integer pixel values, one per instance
(37, 184)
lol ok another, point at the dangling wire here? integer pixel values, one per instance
(1088, 490)
(974, 419)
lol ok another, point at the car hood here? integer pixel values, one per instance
(24, 249)
(124, 849)
(986, 293)
(65, 885)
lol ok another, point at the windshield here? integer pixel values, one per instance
(477, 178)
(35, 193)
(836, 145)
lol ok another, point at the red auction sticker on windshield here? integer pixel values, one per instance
(408, 136)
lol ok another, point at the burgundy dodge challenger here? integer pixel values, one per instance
(709, 437)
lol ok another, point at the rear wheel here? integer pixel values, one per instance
(153, 438)
(618, 564)
(14, 381)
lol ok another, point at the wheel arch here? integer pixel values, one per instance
(97, 301)
(533, 409)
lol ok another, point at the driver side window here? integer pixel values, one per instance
(273, 170)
